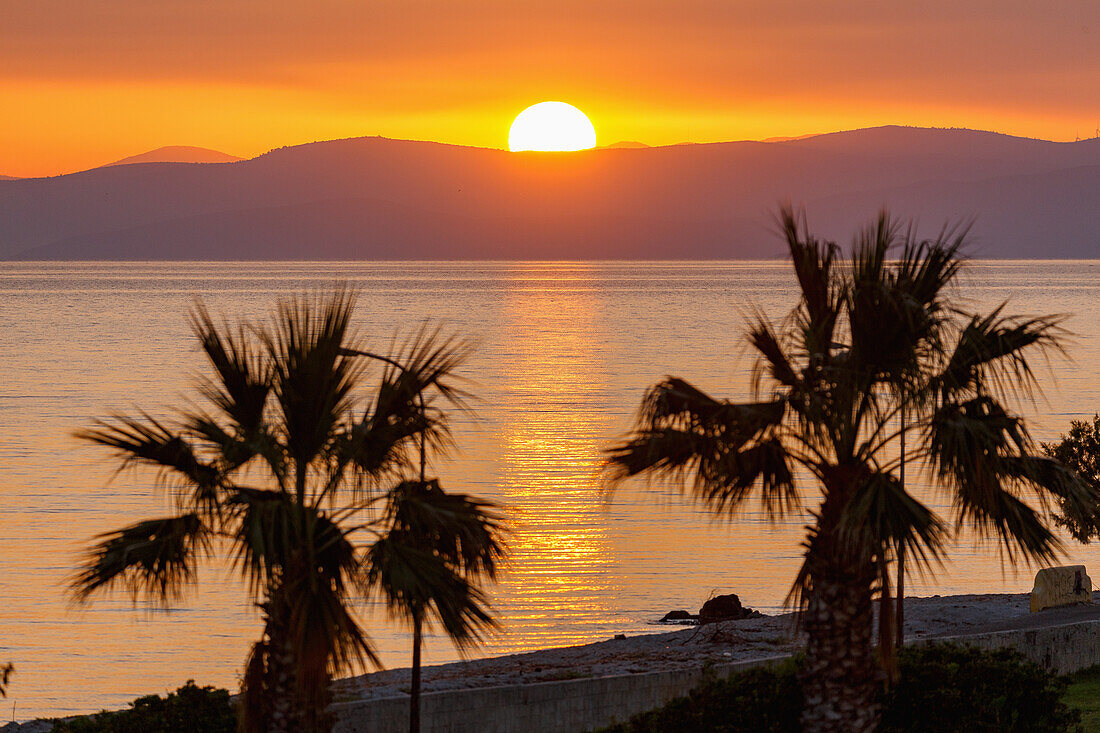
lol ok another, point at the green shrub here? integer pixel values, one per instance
(190, 709)
(945, 687)
(942, 688)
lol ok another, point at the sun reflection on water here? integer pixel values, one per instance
(550, 455)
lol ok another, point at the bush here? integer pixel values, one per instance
(1079, 451)
(190, 709)
(953, 688)
(942, 688)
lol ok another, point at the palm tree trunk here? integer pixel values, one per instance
(270, 682)
(315, 704)
(841, 677)
(314, 693)
(254, 716)
(899, 612)
(414, 690)
(310, 675)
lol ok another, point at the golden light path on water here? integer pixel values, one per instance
(564, 354)
(551, 454)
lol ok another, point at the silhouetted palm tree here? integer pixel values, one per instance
(429, 564)
(865, 342)
(279, 470)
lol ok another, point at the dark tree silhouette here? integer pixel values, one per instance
(866, 341)
(280, 470)
(1079, 449)
(429, 563)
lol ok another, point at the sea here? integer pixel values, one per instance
(563, 354)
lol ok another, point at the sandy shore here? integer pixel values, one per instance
(692, 646)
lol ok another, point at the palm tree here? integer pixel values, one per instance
(865, 342)
(429, 562)
(435, 552)
(279, 469)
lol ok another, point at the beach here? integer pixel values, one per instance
(690, 646)
(694, 646)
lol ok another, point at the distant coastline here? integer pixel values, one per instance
(384, 200)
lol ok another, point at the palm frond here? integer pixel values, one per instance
(404, 418)
(675, 402)
(235, 449)
(993, 352)
(974, 447)
(386, 440)
(813, 262)
(305, 555)
(380, 447)
(149, 442)
(243, 378)
(313, 379)
(1078, 499)
(326, 635)
(926, 269)
(465, 532)
(720, 449)
(431, 359)
(764, 339)
(414, 580)
(882, 514)
(726, 482)
(267, 529)
(665, 453)
(156, 558)
(799, 594)
(871, 246)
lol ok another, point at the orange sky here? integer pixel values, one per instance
(85, 83)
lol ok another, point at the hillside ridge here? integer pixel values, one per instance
(373, 197)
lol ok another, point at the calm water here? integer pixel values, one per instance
(564, 353)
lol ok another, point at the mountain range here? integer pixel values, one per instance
(378, 198)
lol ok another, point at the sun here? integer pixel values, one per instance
(551, 126)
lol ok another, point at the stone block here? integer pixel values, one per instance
(1065, 586)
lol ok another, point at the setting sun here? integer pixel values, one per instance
(551, 126)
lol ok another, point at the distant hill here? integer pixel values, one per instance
(626, 144)
(786, 139)
(178, 154)
(375, 198)
(9, 178)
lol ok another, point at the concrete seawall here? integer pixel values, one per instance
(570, 706)
(1063, 649)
